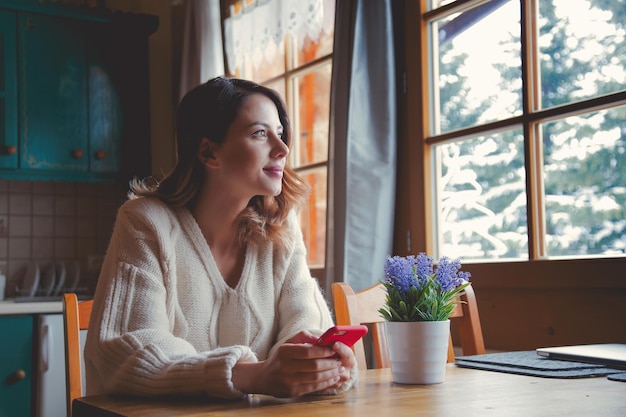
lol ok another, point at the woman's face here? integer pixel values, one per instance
(252, 158)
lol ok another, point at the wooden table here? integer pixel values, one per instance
(465, 392)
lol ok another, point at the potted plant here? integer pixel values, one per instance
(420, 299)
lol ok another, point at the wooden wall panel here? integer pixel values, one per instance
(524, 319)
(527, 305)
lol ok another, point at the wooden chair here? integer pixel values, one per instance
(362, 308)
(76, 318)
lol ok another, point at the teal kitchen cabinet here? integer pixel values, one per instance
(16, 378)
(74, 114)
(8, 90)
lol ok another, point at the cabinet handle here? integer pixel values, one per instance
(10, 150)
(100, 154)
(15, 377)
(77, 153)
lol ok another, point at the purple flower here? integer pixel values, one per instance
(448, 275)
(404, 272)
(399, 272)
(423, 267)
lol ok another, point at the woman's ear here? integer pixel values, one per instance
(206, 153)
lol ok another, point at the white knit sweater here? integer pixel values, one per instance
(165, 322)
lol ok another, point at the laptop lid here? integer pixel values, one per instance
(608, 354)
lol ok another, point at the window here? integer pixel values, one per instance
(521, 107)
(298, 66)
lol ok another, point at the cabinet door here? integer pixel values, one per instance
(53, 93)
(8, 91)
(15, 365)
(105, 107)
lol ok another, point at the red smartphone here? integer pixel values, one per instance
(348, 335)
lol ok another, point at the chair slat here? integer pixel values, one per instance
(76, 318)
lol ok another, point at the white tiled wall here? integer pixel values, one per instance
(55, 221)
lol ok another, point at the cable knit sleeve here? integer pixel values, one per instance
(135, 343)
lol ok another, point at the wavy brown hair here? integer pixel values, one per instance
(207, 111)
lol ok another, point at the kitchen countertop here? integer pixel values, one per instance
(9, 307)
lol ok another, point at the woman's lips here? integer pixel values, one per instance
(275, 171)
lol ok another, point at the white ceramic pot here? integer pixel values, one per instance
(418, 351)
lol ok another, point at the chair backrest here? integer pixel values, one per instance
(362, 308)
(76, 318)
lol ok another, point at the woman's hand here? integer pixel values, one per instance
(296, 368)
(343, 353)
(347, 358)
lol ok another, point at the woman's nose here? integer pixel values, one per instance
(280, 149)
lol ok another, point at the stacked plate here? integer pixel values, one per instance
(49, 282)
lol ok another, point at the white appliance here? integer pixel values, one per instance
(51, 385)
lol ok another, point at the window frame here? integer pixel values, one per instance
(414, 228)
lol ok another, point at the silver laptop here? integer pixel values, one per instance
(608, 354)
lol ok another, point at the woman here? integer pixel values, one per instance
(205, 288)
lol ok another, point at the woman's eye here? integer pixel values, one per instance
(259, 133)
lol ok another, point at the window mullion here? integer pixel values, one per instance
(533, 143)
(534, 190)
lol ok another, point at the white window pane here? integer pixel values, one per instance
(309, 50)
(476, 70)
(312, 107)
(481, 198)
(585, 184)
(313, 216)
(582, 47)
(438, 3)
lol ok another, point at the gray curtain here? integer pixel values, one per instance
(203, 56)
(362, 154)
